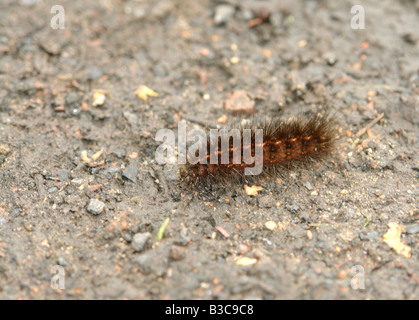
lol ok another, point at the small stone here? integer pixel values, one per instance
(71, 99)
(240, 103)
(144, 262)
(266, 201)
(368, 236)
(30, 2)
(4, 150)
(308, 185)
(412, 229)
(159, 71)
(177, 253)
(330, 58)
(128, 237)
(130, 173)
(223, 13)
(410, 38)
(153, 261)
(92, 73)
(246, 261)
(242, 249)
(132, 118)
(139, 241)
(295, 220)
(247, 14)
(77, 182)
(62, 262)
(234, 60)
(184, 235)
(95, 207)
(63, 174)
(271, 225)
(294, 208)
(276, 19)
(171, 172)
(120, 153)
(53, 190)
(98, 99)
(3, 222)
(16, 212)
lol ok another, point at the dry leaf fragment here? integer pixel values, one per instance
(91, 162)
(252, 191)
(143, 92)
(245, 261)
(133, 155)
(270, 225)
(267, 53)
(223, 231)
(309, 235)
(97, 155)
(98, 99)
(84, 156)
(223, 119)
(392, 238)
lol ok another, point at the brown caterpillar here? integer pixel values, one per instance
(285, 144)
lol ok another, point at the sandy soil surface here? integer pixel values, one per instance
(79, 187)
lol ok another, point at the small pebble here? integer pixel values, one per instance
(95, 207)
(139, 241)
(270, 225)
(242, 249)
(276, 20)
(247, 14)
(368, 236)
(266, 201)
(330, 58)
(308, 185)
(223, 13)
(294, 208)
(62, 262)
(63, 174)
(177, 253)
(120, 153)
(4, 149)
(128, 237)
(72, 98)
(53, 190)
(30, 2)
(93, 73)
(130, 173)
(412, 229)
(78, 182)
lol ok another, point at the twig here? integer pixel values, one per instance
(369, 126)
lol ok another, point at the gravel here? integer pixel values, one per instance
(139, 241)
(412, 229)
(95, 207)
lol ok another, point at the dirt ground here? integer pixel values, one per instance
(312, 233)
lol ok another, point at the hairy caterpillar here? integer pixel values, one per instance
(295, 142)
